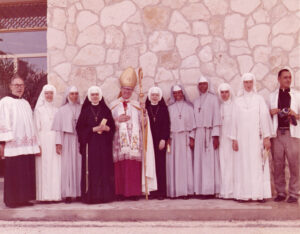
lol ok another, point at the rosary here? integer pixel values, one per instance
(154, 116)
(95, 114)
(179, 111)
(74, 114)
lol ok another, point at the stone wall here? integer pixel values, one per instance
(174, 41)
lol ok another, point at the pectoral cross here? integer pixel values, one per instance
(199, 109)
(96, 119)
(179, 116)
(154, 119)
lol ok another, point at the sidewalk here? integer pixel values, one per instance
(154, 210)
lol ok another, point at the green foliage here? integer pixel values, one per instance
(34, 81)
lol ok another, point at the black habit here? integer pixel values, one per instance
(160, 129)
(100, 173)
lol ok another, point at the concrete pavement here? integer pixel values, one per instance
(154, 210)
(218, 227)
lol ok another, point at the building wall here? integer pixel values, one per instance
(174, 41)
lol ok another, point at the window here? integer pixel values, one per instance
(23, 46)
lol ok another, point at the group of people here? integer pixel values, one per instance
(217, 146)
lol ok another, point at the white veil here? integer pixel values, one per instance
(247, 77)
(41, 100)
(186, 97)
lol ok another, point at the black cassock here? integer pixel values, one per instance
(160, 129)
(100, 158)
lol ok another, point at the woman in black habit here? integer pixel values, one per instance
(160, 127)
(95, 129)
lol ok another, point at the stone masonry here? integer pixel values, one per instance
(90, 42)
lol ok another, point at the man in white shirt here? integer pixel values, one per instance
(18, 144)
(285, 109)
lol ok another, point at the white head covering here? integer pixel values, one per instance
(247, 77)
(71, 89)
(203, 79)
(225, 87)
(155, 89)
(178, 88)
(42, 100)
(94, 89)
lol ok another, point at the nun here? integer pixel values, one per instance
(48, 165)
(160, 128)
(206, 154)
(250, 134)
(67, 145)
(180, 181)
(95, 129)
(225, 150)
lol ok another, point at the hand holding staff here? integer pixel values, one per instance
(143, 128)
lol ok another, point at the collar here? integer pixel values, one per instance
(14, 96)
(285, 90)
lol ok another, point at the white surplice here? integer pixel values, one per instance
(48, 165)
(251, 123)
(17, 127)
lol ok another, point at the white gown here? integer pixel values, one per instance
(226, 152)
(48, 166)
(251, 123)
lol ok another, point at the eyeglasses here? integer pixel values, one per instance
(18, 85)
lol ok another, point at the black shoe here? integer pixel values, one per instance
(292, 200)
(242, 201)
(279, 198)
(152, 197)
(262, 201)
(27, 204)
(68, 200)
(12, 205)
(120, 198)
(16, 205)
(133, 198)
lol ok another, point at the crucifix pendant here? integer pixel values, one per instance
(154, 119)
(180, 116)
(96, 119)
(199, 109)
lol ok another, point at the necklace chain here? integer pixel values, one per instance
(95, 114)
(154, 116)
(179, 111)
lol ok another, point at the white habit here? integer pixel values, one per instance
(225, 149)
(48, 165)
(251, 122)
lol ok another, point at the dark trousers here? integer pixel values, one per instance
(19, 180)
(286, 147)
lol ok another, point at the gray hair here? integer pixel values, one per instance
(16, 76)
